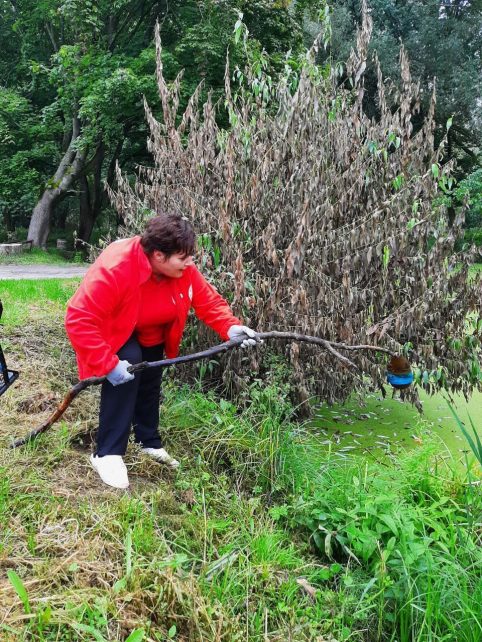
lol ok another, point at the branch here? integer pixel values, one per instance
(196, 356)
(128, 21)
(50, 31)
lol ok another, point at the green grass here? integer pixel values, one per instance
(476, 268)
(415, 553)
(36, 256)
(388, 552)
(263, 534)
(23, 299)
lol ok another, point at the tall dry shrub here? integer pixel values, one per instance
(317, 219)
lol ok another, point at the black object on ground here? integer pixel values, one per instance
(7, 377)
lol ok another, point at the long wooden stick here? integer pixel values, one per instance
(331, 346)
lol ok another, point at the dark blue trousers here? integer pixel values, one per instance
(135, 403)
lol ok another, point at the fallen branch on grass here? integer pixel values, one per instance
(332, 347)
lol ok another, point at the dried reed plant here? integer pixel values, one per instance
(318, 218)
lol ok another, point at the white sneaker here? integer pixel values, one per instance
(111, 469)
(162, 456)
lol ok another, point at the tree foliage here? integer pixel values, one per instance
(84, 66)
(469, 190)
(82, 69)
(319, 217)
(25, 149)
(443, 41)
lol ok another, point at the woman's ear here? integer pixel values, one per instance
(159, 256)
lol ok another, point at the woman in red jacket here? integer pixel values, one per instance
(132, 306)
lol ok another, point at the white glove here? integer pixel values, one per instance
(119, 374)
(236, 331)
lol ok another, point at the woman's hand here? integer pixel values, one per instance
(236, 331)
(119, 374)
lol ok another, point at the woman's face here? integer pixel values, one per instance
(171, 266)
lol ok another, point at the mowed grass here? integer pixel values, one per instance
(35, 256)
(194, 556)
(24, 299)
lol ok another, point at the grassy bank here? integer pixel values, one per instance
(263, 535)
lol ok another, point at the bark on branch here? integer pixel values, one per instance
(331, 346)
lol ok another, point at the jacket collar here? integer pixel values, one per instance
(145, 269)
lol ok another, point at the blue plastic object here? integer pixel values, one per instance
(400, 381)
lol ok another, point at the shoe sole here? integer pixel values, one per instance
(164, 463)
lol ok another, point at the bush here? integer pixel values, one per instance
(315, 217)
(473, 235)
(470, 190)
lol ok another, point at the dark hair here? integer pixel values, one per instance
(170, 234)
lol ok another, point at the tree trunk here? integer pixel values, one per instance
(8, 220)
(66, 174)
(39, 227)
(91, 198)
(86, 219)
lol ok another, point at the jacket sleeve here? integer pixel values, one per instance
(210, 307)
(87, 314)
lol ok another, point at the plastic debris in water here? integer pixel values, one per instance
(399, 373)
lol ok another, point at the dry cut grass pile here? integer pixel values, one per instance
(62, 530)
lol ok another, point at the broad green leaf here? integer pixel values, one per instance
(120, 585)
(385, 257)
(390, 522)
(136, 636)
(45, 615)
(367, 588)
(20, 589)
(87, 628)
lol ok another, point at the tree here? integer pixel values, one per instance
(85, 63)
(470, 191)
(320, 218)
(84, 67)
(24, 149)
(443, 41)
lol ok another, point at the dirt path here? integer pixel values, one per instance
(41, 271)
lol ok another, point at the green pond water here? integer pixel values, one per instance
(386, 425)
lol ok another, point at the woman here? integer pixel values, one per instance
(132, 306)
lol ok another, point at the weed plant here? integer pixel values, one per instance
(413, 554)
(262, 447)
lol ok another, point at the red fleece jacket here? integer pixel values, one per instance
(102, 314)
